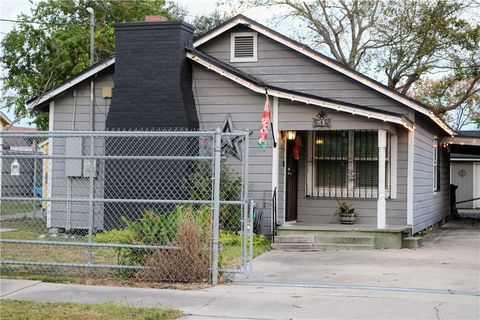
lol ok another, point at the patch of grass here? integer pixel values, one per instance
(7, 208)
(14, 309)
(231, 248)
(25, 229)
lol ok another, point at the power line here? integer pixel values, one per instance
(32, 22)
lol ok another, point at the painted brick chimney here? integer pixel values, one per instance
(153, 78)
(153, 90)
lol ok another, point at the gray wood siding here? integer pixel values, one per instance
(63, 120)
(428, 207)
(464, 183)
(217, 97)
(284, 67)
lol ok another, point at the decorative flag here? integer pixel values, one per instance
(262, 139)
(297, 147)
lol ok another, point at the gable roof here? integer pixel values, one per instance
(315, 55)
(261, 87)
(39, 101)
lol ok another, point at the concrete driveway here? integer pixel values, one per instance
(449, 260)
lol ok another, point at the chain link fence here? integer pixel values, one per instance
(143, 205)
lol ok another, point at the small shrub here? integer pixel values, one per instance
(123, 236)
(191, 261)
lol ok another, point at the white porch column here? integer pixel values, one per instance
(381, 204)
(410, 164)
(275, 151)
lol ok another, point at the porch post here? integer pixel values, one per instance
(381, 204)
(275, 154)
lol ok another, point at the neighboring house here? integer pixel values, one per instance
(465, 169)
(21, 185)
(339, 134)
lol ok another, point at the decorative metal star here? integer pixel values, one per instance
(231, 144)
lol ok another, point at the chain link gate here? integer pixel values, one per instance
(142, 205)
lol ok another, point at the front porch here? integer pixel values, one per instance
(314, 236)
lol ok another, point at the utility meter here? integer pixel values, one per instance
(15, 168)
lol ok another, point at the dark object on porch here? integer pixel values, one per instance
(346, 213)
(453, 199)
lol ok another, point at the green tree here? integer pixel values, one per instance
(53, 44)
(204, 23)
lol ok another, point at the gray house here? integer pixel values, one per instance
(338, 134)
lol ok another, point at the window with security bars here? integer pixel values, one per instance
(243, 47)
(344, 163)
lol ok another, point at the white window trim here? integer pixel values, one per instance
(356, 193)
(435, 159)
(233, 35)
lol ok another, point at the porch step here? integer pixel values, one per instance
(412, 242)
(323, 242)
(345, 240)
(341, 246)
(295, 239)
(294, 246)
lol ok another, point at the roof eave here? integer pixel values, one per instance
(303, 98)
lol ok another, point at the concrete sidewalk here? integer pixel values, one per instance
(261, 302)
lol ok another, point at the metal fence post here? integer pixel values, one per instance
(245, 202)
(250, 267)
(216, 204)
(90, 198)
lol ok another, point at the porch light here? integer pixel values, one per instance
(319, 141)
(291, 134)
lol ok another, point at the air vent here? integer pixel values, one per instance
(243, 47)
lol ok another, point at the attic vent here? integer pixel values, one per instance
(243, 47)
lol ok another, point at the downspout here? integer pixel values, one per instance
(69, 179)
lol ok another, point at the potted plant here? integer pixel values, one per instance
(346, 213)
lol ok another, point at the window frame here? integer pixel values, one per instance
(233, 35)
(350, 190)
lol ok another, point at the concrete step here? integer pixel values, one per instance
(412, 242)
(344, 239)
(295, 239)
(341, 246)
(294, 246)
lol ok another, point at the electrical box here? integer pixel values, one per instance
(107, 92)
(73, 147)
(89, 168)
(15, 168)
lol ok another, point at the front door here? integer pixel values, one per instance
(291, 184)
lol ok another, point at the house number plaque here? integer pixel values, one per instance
(321, 120)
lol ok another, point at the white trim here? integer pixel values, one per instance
(275, 154)
(49, 95)
(469, 141)
(381, 203)
(297, 97)
(476, 178)
(51, 115)
(393, 165)
(435, 165)
(317, 57)
(309, 189)
(465, 159)
(233, 35)
(410, 171)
